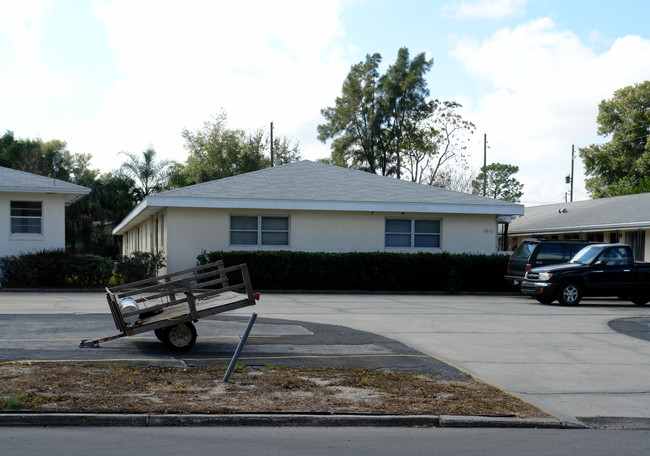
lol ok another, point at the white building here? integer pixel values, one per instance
(32, 209)
(311, 207)
(618, 219)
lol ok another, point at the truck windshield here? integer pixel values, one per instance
(586, 255)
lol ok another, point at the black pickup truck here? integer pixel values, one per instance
(597, 270)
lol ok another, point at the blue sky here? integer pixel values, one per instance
(107, 76)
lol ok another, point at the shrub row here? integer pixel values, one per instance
(442, 272)
(58, 268)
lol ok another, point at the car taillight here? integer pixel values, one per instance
(527, 267)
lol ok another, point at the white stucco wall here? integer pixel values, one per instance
(187, 232)
(53, 236)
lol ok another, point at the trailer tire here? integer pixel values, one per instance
(180, 337)
(160, 334)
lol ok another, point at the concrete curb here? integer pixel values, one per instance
(263, 420)
(617, 422)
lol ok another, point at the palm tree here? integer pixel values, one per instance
(150, 175)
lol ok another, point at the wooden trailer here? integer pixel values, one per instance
(171, 303)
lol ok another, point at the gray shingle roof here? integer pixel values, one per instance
(620, 212)
(12, 180)
(308, 185)
(307, 180)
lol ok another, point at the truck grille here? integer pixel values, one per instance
(532, 275)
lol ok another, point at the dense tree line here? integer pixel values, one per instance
(215, 151)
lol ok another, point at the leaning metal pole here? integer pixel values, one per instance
(242, 342)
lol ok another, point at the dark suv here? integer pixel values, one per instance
(533, 253)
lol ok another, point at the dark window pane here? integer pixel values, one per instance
(551, 252)
(275, 238)
(425, 240)
(524, 250)
(26, 226)
(26, 217)
(275, 223)
(398, 240)
(26, 209)
(427, 226)
(398, 226)
(243, 237)
(243, 223)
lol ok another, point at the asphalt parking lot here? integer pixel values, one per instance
(575, 362)
(55, 338)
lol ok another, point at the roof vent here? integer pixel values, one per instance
(562, 210)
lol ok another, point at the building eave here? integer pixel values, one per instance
(70, 195)
(153, 204)
(643, 225)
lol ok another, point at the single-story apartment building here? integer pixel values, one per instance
(617, 219)
(33, 211)
(311, 207)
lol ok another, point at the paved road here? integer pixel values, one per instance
(566, 360)
(289, 441)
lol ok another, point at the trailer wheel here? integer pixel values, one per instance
(160, 334)
(180, 337)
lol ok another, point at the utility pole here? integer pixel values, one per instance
(272, 145)
(573, 150)
(484, 163)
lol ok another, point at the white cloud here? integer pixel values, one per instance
(486, 9)
(24, 77)
(547, 85)
(181, 63)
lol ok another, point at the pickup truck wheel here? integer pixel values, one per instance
(569, 294)
(180, 337)
(640, 300)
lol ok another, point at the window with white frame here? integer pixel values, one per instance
(413, 233)
(26, 217)
(259, 230)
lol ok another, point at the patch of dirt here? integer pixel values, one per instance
(135, 389)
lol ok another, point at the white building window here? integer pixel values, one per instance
(259, 230)
(412, 233)
(26, 217)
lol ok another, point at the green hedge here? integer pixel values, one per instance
(441, 272)
(59, 269)
(139, 266)
(54, 268)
